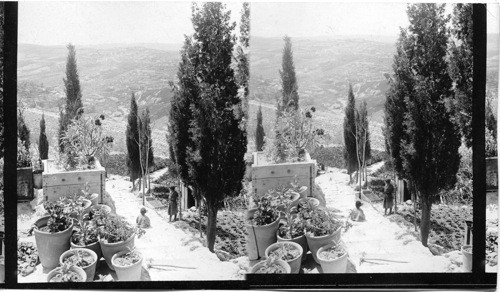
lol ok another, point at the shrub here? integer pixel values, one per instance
(23, 155)
(329, 156)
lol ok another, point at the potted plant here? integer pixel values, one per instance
(332, 258)
(290, 252)
(310, 202)
(24, 172)
(262, 224)
(52, 233)
(86, 235)
(83, 258)
(293, 231)
(76, 204)
(100, 208)
(467, 257)
(322, 227)
(115, 235)
(128, 265)
(301, 190)
(271, 266)
(93, 197)
(67, 273)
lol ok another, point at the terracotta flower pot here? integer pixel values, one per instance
(127, 273)
(89, 269)
(260, 237)
(260, 264)
(109, 249)
(337, 265)
(313, 201)
(105, 208)
(95, 247)
(94, 198)
(301, 240)
(294, 263)
(315, 242)
(467, 258)
(76, 269)
(51, 245)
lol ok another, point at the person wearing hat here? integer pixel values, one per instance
(142, 220)
(358, 214)
(388, 197)
(172, 205)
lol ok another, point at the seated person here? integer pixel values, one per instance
(142, 220)
(357, 214)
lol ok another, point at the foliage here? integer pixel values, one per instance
(289, 87)
(460, 68)
(127, 259)
(132, 135)
(74, 106)
(114, 228)
(363, 133)
(286, 252)
(377, 156)
(242, 58)
(294, 134)
(296, 228)
(23, 131)
(27, 257)
(43, 143)
(259, 131)
(86, 230)
(23, 155)
(349, 125)
(145, 140)
(216, 162)
(270, 266)
(491, 148)
(1, 184)
(80, 258)
(329, 156)
(331, 253)
(84, 140)
(491, 120)
(461, 193)
(266, 212)
(320, 222)
(66, 274)
(60, 218)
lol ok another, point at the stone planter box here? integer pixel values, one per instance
(25, 184)
(60, 183)
(267, 175)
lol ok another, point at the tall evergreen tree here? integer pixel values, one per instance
(242, 57)
(259, 131)
(460, 67)
(491, 120)
(350, 151)
(131, 137)
(23, 131)
(400, 86)
(216, 164)
(289, 86)
(363, 133)
(74, 106)
(43, 143)
(430, 150)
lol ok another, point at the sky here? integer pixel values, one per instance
(88, 23)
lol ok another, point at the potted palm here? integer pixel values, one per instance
(332, 258)
(67, 273)
(271, 266)
(52, 233)
(83, 258)
(115, 235)
(322, 227)
(128, 265)
(262, 224)
(289, 251)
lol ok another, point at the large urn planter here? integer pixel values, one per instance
(51, 245)
(288, 251)
(268, 175)
(25, 184)
(316, 242)
(128, 265)
(467, 257)
(88, 261)
(259, 237)
(57, 181)
(332, 258)
(301, 240)
(277, 267)
(78, 275)
(109, 249)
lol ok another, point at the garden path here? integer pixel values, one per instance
(378, 237)
(166, 244)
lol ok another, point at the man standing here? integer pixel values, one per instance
(388, 196)
(172, 206)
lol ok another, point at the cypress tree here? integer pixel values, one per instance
(242, 56)
(74, 105)
(430, 150)
(43, 143)
(289, 86)
(460, 68)
(131, 138)
(23, 131)
(259, 131)
(216, 164)
(350, 151)
(363, 133)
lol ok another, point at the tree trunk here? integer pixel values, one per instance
(211, 226)
(425, 221)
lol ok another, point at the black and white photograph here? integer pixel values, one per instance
(212, 141)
